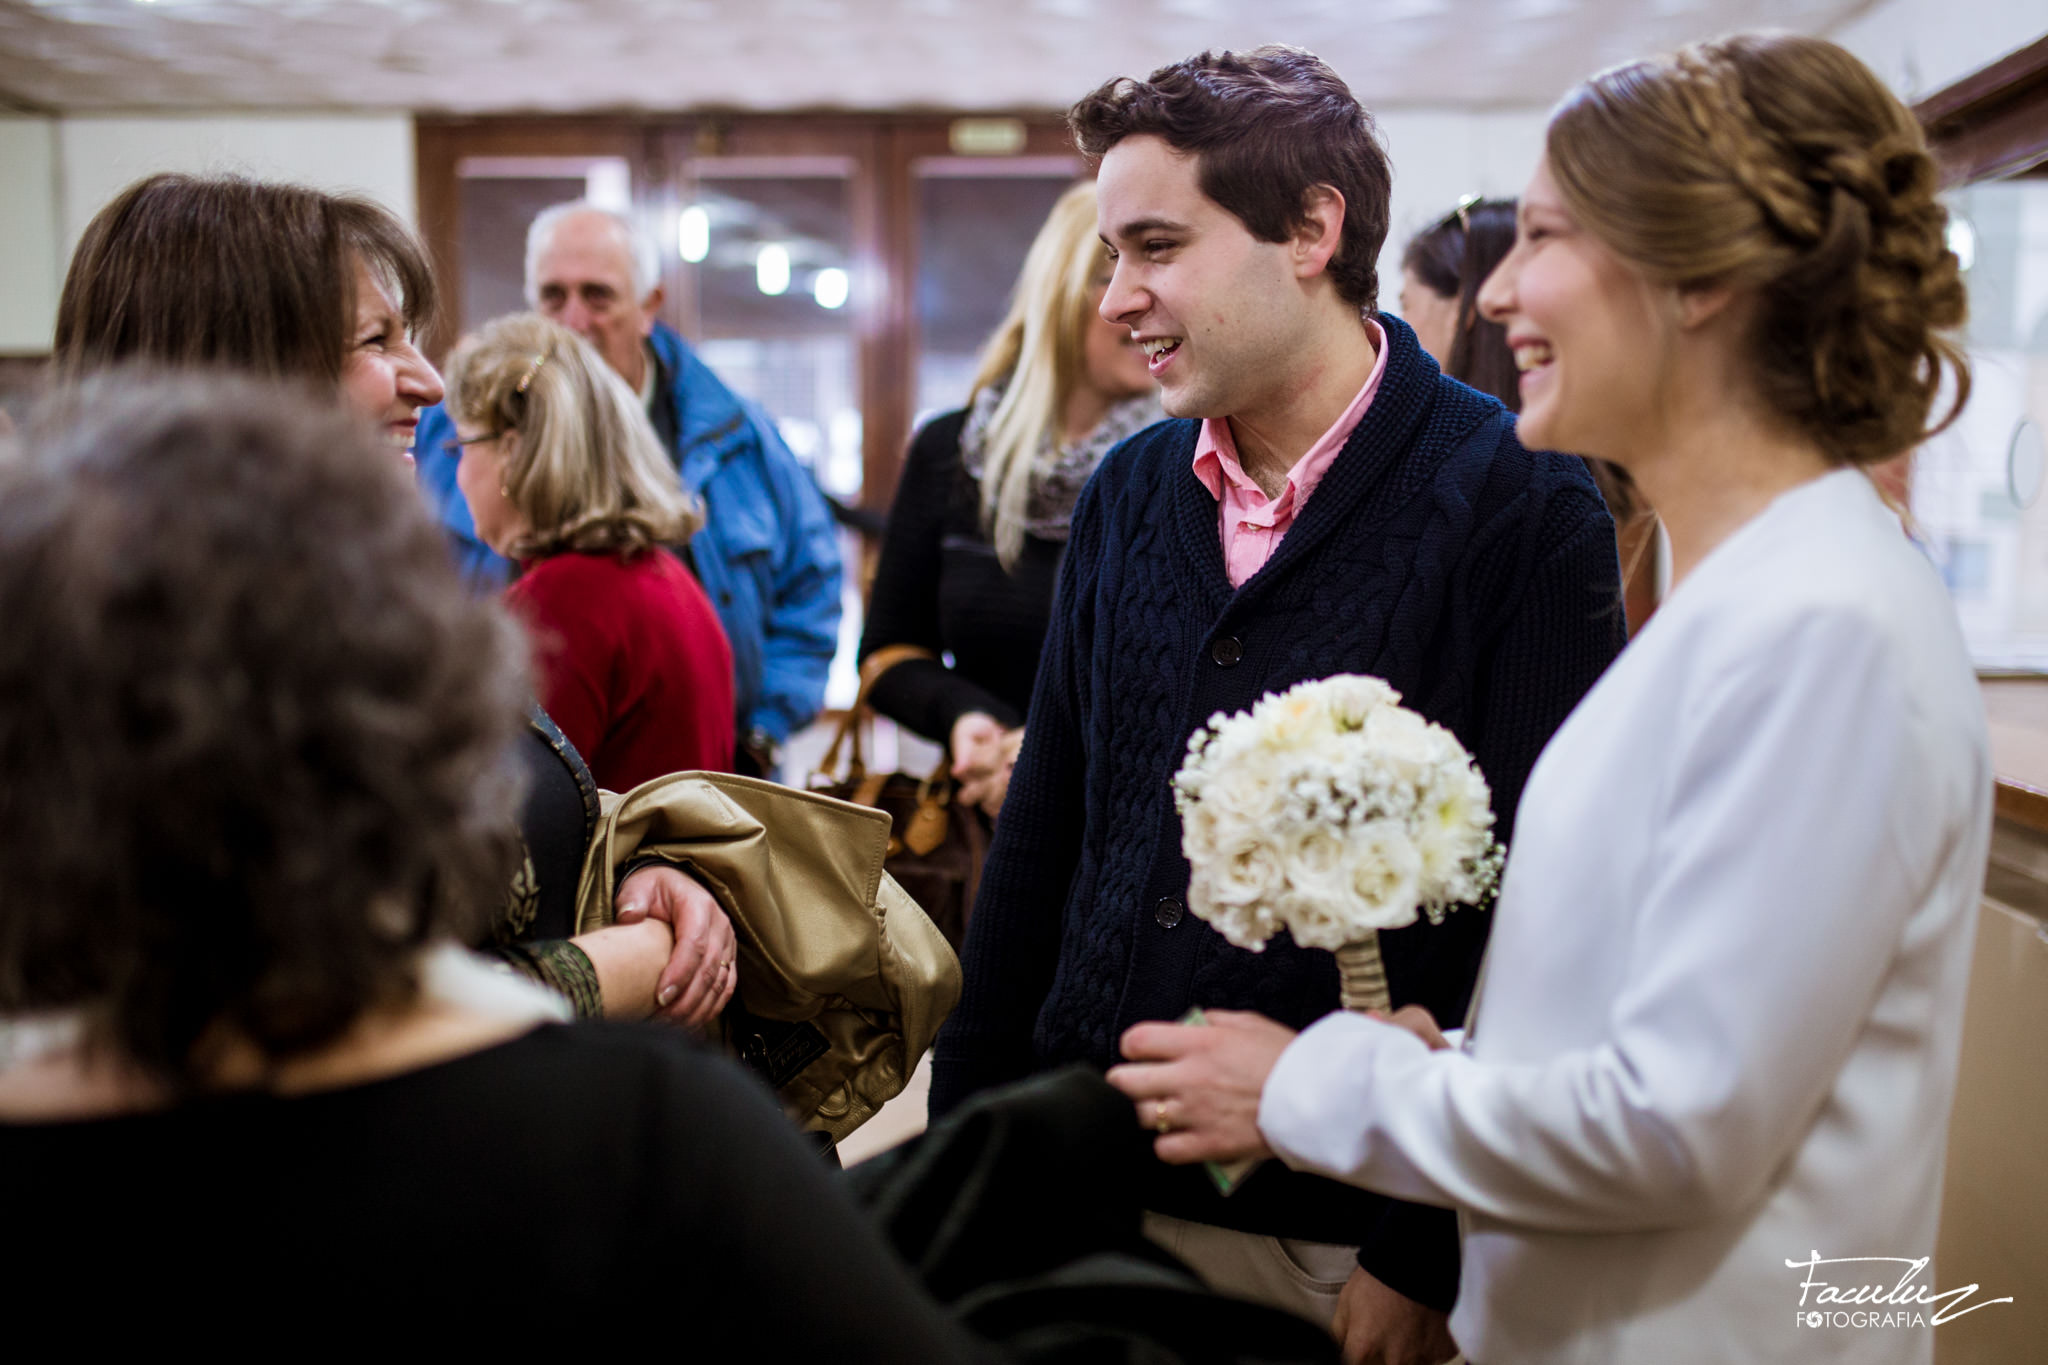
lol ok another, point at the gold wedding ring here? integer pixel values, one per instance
(1161, 1124)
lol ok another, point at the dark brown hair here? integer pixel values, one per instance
(211, 271)
(1781, 164)
(1266, 126)
(258, 740)
(1453, 257)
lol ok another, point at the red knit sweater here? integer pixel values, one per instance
(631, 663)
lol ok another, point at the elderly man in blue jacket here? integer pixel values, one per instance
(768, 555)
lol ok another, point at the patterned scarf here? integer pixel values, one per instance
(1058, 471)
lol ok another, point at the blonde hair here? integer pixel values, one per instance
(585, 469)
(1038, 354)
(1780, 163)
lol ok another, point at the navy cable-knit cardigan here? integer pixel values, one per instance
(1477, 577)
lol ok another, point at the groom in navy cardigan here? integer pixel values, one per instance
(1328, 503)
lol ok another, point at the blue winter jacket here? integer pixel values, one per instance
(768, 554)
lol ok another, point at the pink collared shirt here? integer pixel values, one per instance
(1252, 524)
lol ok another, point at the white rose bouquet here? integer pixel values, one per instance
(1334, 812)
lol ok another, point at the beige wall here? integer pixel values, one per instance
(55, 174)
(1994, 1218)
(28, 234)
(1440, 154)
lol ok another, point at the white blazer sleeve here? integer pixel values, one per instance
(1788, 858)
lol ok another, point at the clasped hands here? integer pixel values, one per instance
(984, 753)
(703, 965)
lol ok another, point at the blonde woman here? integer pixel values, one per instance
(1715, 1047)
(565, 478)
(981, 513)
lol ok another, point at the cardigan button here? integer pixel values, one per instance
(1227, 651)
(1168, 912)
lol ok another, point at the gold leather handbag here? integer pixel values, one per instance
(843, 980)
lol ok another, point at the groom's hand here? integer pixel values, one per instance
(1198, 1086)
(1376, 1325)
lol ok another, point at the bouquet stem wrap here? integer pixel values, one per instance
(1362, 977)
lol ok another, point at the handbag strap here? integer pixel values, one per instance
(857, 715)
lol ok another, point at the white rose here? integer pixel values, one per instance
(1294, 719)
(1235, 894)
(1386, 871)
(1199, 831)
(1399, 735)
(1353, 696)
(1246, 873)
(1317, 862)
(1316, 922)
(1240, 798)
(1453, 826)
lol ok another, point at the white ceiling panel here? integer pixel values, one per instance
(485, 56)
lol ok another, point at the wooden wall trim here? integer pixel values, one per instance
(1992, 123)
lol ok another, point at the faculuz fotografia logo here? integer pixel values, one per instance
(1858, 1292)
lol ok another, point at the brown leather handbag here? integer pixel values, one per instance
(935, 844)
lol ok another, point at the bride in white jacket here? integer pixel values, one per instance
(1715, 1045)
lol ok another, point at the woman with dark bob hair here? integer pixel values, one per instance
(254, 775)
(1713, 1055)
(328, 291)
(1442, 270)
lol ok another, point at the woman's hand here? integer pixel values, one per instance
(702, 968)
(1419, 1022)
(1198, 1085)
(983, 755)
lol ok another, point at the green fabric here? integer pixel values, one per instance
(562, 967)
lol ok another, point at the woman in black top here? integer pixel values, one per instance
(254, 766)
(1442, 268)
(981, 512)
(326, 290)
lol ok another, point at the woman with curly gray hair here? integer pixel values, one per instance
(254, 776)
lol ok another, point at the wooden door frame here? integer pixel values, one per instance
(885, 150)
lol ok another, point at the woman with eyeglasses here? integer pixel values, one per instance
(1442, 270)
(328, 291)
(565, 478)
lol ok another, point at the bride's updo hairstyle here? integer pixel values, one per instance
(1782, 164)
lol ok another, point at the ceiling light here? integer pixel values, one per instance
(693, 233)
(771, 269)
(829, 287)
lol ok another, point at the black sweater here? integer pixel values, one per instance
(940, 586)
(1477, 577)
(584, 1179)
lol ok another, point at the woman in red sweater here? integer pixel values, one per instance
(565, 478)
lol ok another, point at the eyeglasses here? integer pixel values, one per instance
(454, 444)
(1462, 214)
